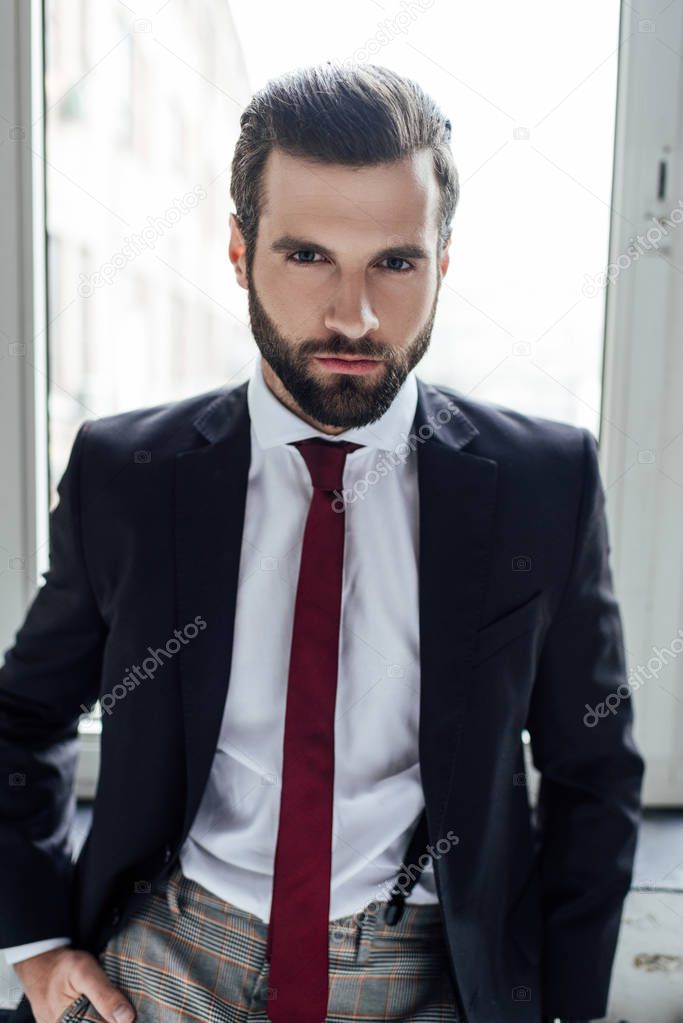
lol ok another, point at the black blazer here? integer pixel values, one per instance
(519, 628)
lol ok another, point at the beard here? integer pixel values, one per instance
(337, 399)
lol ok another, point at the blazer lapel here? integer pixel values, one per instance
(211, 488)
(456, 511)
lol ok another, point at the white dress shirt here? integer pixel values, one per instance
(230, 849)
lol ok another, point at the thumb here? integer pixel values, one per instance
(113, 1006)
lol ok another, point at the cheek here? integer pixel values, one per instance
(296, 311)
(281, 297)
(405, 306)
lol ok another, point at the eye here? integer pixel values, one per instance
(304, 262)
(314, 262)
(399, 270)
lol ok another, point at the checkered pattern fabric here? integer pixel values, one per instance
(187, 955)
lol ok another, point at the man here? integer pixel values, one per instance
(356, 590)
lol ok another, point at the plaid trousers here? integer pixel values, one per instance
(187, 955)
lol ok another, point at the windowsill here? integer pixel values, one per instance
(658, 865)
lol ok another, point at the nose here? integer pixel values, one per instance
(350, 312)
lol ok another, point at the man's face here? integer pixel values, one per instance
(346, 264)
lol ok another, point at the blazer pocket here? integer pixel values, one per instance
(499, 633)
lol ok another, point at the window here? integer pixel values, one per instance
(137, 194)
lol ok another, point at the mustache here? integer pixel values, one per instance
(343, 347)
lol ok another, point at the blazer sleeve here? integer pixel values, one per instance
(50, 672)
(588, 808)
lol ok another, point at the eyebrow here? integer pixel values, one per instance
(290, 242)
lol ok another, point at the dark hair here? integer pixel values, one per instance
(358, 114)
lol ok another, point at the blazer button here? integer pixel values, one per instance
(167, 853)
(115, 917)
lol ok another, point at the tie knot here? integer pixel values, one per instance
(325, 460)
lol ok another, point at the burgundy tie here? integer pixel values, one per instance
(299, 916)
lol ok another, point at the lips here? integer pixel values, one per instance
(341, 364)
(348, 358)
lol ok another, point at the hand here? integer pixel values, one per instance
(54, 979)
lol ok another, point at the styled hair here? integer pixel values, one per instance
(356, 115)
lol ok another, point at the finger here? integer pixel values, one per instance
(113, 1006)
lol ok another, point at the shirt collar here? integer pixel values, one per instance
(273, 423)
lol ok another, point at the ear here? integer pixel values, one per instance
(445, 257)
(237, 252)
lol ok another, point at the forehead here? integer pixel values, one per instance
(303, 196)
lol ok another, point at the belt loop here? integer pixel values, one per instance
(172, 890)
(366, 933)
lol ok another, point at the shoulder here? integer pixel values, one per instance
(165, 428)
(520, 439)
(502, 428)
(548, 463)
